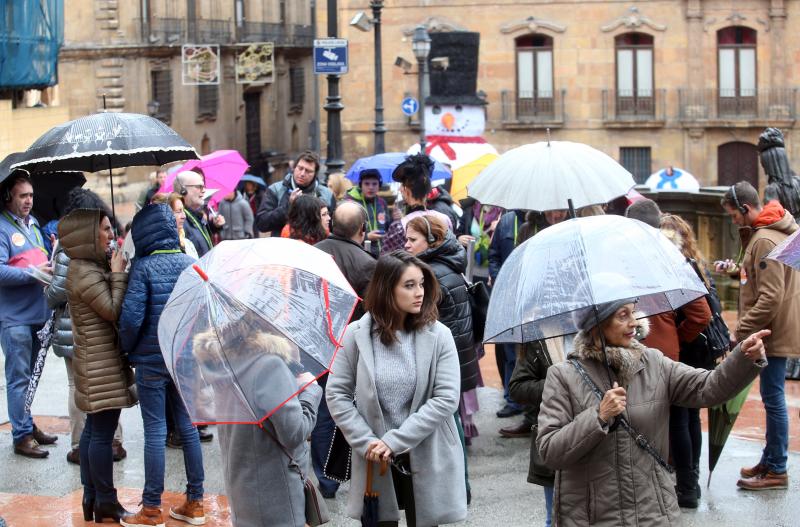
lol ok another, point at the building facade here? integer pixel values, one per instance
(685, 83)
(127, 56)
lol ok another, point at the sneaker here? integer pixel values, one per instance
(190, 512)
(146, 517)
(203, 433)
(752, 472)
(74, 456)
(767, 481)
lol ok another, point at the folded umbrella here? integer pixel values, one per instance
(721, 419)
(222, 171)
(385, 164)
(369, 516)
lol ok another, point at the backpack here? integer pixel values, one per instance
(714, 341)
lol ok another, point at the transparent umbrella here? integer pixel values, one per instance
(267, 309)
(546, 175)
(553, 281)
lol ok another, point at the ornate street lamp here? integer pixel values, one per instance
(421, 45)
(333, 104)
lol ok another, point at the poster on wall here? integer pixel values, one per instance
(200, 64)
(255, 63)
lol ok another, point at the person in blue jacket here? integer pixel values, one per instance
(159, 262)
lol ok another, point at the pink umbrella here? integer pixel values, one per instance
(222, 169)
(633, 196)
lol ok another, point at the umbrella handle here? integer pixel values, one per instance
(199, 271)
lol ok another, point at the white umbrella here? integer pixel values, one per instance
(544, 176)
(553, 281)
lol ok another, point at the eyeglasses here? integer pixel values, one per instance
(201, 187)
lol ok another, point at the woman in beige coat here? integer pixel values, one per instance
(95, 289)
(602, 476)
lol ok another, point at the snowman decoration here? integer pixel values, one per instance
(455, 118)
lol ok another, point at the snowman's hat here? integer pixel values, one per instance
(458, 82)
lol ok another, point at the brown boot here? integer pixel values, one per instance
(74, 456)
(768, 481)
(752, 472)
(146, 517)
(29, 447)
(190, 512)
(42, 438)
(119, 452)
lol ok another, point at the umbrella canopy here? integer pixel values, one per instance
(544, 176)
(720, 423)
(672, 179)
(466, 174)
(90, 143)
(253, 179)
(51, 190)
(552, 282)
(788, 251)
(274, 305)
(222, 171)
(385, 165)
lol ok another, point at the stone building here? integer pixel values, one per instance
(689, 83)
(131, 52)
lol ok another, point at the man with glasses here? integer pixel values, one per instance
(378, 220)
(274, 207)
(198, 229)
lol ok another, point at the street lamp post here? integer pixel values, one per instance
(380, 129)
(421, 45)
(333, 104)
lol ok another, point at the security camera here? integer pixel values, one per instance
(361, 22)
(400, 62)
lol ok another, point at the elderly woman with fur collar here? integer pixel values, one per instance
(602, 476)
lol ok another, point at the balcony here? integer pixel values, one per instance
(302, 36)
(532, 110)
(624, 109)
(263, 32)
(163, 31)
(207, 31)
(756, 108)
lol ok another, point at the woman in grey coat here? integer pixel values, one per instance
(393, 390)
(602, 476)
(238, 217)
(264, 486)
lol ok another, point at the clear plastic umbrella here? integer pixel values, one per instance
(247, 319)
(546, 175)
(553, 281)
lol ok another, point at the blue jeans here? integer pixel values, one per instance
(156, 391)
(321, 442)
(509, 352)
(548, 503)
(97, 458)
(20, 347)
(773, 396)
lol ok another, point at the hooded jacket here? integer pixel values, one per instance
(103, 380)
(440, 200)
(769, 291)
(56, 294)
(159, 262)
(602, 476)
(449, 262)
(238, 218)
(272, 212)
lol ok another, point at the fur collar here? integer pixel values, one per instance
(624, 361)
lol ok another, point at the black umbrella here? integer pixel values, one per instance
(51, 189)
(103, 141)
(369, 516)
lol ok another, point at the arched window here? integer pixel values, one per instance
(736, 51)
(635, 78)
(534, 75)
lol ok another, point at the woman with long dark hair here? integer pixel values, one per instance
(401, 365)
(304, 220)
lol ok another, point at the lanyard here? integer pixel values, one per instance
(39, 244)
(373, 225)
(165, 251)
(199, 227)
(516, 229)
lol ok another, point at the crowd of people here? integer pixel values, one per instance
(403, 388)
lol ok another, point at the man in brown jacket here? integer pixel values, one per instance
(769, 298)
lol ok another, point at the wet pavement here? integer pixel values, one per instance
(47, 492)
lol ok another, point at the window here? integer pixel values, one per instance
(635, 74)
(297, 87)
(207, 101)
(636, 159)
(161, 90)
(737, 69)
(534, 75)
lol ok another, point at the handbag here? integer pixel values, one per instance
(316, 510)
(714, 341)
(338, 462)
(479, 305)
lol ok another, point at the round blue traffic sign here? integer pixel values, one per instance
(410, 106)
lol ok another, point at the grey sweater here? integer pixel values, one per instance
(395, 377)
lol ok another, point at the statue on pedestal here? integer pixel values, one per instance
(782, 183)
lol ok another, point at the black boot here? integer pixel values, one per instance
(696, 476)
(686, 489)
(112, 510)
(88, 508)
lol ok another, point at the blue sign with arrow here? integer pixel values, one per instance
(410, 106)
(330, 56)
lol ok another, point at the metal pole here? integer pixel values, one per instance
(421, 73)
(334, 106)
(380, 129)
(315, 125)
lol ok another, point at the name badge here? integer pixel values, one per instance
(18, 239)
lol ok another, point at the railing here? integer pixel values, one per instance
(302, 36)
(769, 104)
(212, 31)
(633, 106)
(263, 32)
(532, 108)
(163, 30)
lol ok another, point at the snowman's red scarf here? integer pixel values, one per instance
(442, 142)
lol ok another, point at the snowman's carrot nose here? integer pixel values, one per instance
(448, 120)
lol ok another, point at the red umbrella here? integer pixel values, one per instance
(222, 171)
